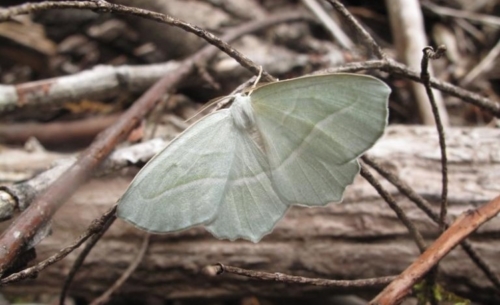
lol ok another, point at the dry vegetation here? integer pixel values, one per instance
(72, 70)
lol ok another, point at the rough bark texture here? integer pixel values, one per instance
(359, 238)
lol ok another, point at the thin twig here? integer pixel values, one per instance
(486, 64)
(131, 78)
(44, 206)
(467, 223)
(368, 39)
(104, 298)
(329, 24)
(450, 12)
(404, 188)
(83, 254)
(218, 269)
(398, 69)
(95, 227)
(419, 240)
(104, 6)
(429, 53)
(425, 206)
(389, 66)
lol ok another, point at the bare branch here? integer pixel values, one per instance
(429, 53)
(458, 231)
(218, 269)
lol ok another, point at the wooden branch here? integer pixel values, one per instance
(360, 238)
(398, 69)
(111, 80)
(458, 231)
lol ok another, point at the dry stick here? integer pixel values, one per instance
(104, 298)
(40, 212)
(330, 25)
(22, 230)
(95, 227)
(399, 212)
(106, 7)
(368, 39)
(54, 133)
(451, 12)
(485, 64)
(419, 240)
(35, 92)
(81, 257)
(395, 68)
(425, 206)
(112, 80)
(424, 75)
(218, 269)
(465, 224)
(404, 188)
(385, 65)
(391, 66)
(429, 53)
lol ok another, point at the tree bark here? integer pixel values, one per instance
(359, 238)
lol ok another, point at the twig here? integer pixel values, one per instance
(53, 133)
(450, 12)
(419, 240)
(425, 206)
(95, 227)
(19, 196)
(367, 38)
(329, 24)
(398, 69)
(459, 230)
(104, 298)
(104, 6)
(404, 188)
(429, 53)
(218, 269)
(45, 205)
(112, 80)
(83, 254)
(486, 63)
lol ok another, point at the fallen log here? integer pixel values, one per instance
(359, 238)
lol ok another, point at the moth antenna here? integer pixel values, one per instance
(210, 103)
(256, 81)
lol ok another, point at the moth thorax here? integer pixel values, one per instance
(242, 112)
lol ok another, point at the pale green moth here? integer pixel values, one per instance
(238, 170)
